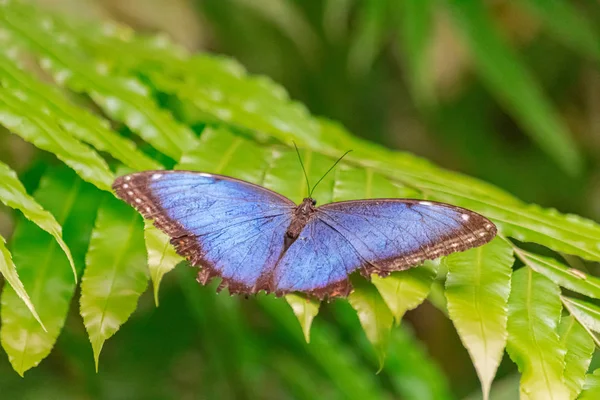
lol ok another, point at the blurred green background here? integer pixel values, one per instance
(471, 88)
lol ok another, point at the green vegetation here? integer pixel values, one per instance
(84, 275)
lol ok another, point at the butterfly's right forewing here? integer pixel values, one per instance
(233, 229)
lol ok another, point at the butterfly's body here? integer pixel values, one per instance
(256, 239)
(301, 215)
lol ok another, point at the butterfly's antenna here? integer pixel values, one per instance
(304, 170)
(328, 171)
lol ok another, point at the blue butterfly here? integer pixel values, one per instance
(256, 239)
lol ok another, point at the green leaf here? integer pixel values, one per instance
(477, 290)
(115, 274)
(509, 80)
(219, 151)
(44, 269)
(123, 98)
(9, 272)
(567, 24)
(74, 120)
(353, 183)
(587, 314)
(580, 348)
(403, 291)
(162, 257)
(374, 315)
(570, 278)
(13, 194)
(534, 310)
(591, 387)
(416, 35)
(305, 309)
(43, 131)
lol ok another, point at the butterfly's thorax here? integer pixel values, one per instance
(301, 215)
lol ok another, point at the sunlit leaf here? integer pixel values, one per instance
(534, 311)
(587, 314)
(124, 99)
(591, 387)
(13, 194)
(9, 272)
(305, 310)
(374, 315)
(162, 257)
(44, 269)
(34, 126)
(74, 120)
(570, 278)
(506, 76)
(477, 289)
(406, 290)
(580, 348)
(115, 273)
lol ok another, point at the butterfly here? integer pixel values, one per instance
(258, 240)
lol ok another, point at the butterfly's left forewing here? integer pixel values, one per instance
(232, 228)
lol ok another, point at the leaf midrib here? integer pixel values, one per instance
(530, 314)
(116, 267)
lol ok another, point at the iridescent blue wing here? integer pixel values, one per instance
(232, 228)
(375, 236)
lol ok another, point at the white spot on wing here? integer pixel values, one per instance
(156, 176)
(205, 174)
(130, 193)
(465, 217)
(127, 178)
(426, 203)
(482, 233)
(138, 200)
(125, 186)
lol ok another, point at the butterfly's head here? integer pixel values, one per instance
(309, 202)
(307, 206)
